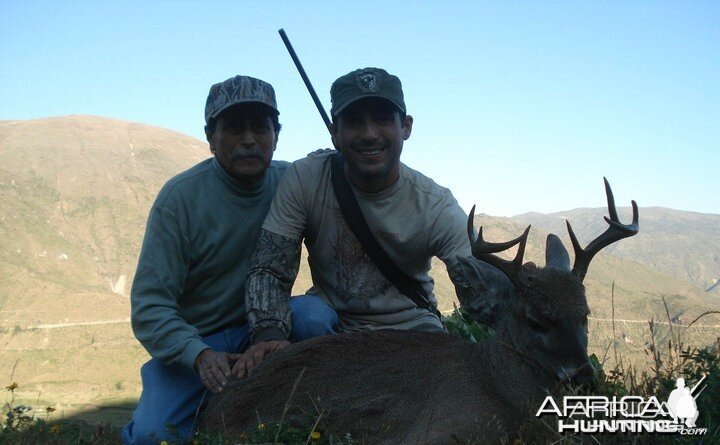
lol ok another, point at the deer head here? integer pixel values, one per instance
(541, 313)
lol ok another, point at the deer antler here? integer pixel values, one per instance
(482, 250)
(615, 232)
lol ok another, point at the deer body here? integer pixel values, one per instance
(407, 387)
(388, 387)
(395, 387)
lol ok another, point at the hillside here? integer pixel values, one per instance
(685, 245)
(75, 193)
(74, 197)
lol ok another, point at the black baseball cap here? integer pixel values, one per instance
(363, 83)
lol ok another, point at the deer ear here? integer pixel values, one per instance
(480, 288)
(556, 256)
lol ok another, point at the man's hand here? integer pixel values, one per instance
(214, 368)
(254, 355)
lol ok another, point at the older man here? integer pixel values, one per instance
(188, 307)
(411, 217)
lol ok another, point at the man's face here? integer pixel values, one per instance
(244, 141)
(370, 135)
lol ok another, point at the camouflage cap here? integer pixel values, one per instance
(362, 83)
(237, 90)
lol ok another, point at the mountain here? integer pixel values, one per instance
(75, 193)
(682, 244)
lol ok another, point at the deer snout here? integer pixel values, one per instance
(585, 381)
(582, 376)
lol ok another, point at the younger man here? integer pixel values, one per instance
(412, 218)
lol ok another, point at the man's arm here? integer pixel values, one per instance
(273, 269)
(477, 285)
(161, 273)
(448, 234)
(156, 315)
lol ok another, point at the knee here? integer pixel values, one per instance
(142, 432)
(167, 406)
(312, 317)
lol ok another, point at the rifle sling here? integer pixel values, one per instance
(357, 223)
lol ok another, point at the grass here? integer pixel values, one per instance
(24, 424)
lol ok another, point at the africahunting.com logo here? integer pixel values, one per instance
(629, 414)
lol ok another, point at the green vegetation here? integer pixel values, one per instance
(458, 323)
(277, 433)
(21, 425)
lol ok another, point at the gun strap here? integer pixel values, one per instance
(357, 223)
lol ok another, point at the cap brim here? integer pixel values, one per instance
(217, 112)
(339, 109)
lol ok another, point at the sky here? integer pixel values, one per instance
(518, 106)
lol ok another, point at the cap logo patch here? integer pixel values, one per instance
(368, 82)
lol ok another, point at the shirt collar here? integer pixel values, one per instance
(234, 185)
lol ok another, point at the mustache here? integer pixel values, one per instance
(245, 153)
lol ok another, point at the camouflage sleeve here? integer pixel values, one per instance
(273, 269)
(480, 288)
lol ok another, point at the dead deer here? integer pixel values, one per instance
(394, 387)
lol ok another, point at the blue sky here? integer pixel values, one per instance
(518, 106)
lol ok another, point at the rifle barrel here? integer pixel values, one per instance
(305, 79)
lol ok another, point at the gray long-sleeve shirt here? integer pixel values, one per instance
(190, 279)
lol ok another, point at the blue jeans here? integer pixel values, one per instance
(174, 395)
